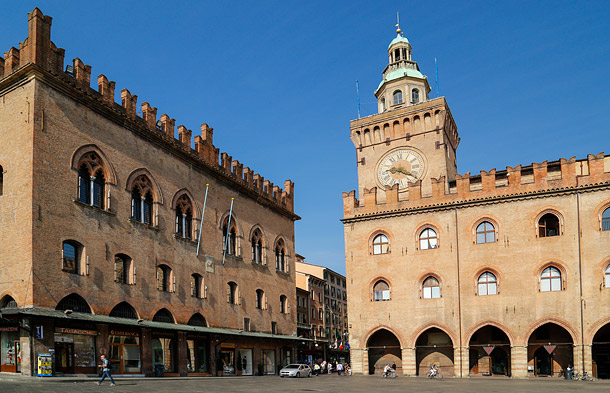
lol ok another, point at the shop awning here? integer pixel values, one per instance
(76, 316)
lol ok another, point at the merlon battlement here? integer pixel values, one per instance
(513, 181)
(38, 49)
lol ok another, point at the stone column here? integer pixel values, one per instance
(409, 367)
(146, 351)
(588, 359)
(518, 361)
(462, 362)
(181, 354)
(359, 361)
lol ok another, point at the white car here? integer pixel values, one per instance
(295, 370)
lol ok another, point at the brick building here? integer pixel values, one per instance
(103, 208)
(505, 272)
(328, 315)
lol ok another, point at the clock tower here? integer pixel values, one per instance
(412, 138)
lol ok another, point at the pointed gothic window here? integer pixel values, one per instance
(431, 288)
(280, 256)
(184, 217)
(381, 291)
(550, 280)
(428, 239)
(257, 247)
(142, 200)
(548, 225)
(91, 181)
(487, 284)
(230, 243)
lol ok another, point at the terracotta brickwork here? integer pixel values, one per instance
(454, 322)
(49, 121)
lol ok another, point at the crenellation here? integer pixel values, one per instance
(540, 172)
(391, 194)
(11, 62)
(129, 102)
(568, 171)
(488, 180)
(258, 182)
(1, 66)
(277, 193)
(225, 162)
(168, 125)
(184, 136)
(462, 183)
(514, 176)
(596, 165)
(237, 170)
(82, 73)
(268, 188)
(248, 177)
(438, 187)
(106, 89)
(370, 198)
(149, 115)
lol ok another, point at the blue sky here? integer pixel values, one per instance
(526, 81)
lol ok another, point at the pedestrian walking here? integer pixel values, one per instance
(339, 368)
(105, 366)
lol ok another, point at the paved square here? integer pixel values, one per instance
(333, 383)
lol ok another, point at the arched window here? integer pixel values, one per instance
(260, 299)
(280, 256)
(91, 180)
(383, 107)
(397, 95)
(74, 303)
(550, 280)
(414, 96)
(381, 291)
(548, 225)
(431, 288)
(71, 254)
(197, 287)
(232, 293)
(142, 200)
(608, 276)
(283, 304)
(124, 271)
(257, 247)
(487, 284)
(605, 214)
(163, 315)
(165, 279)
(124, 310)
(486, 233)
(198, 320)
(381, 244)
(230, 243)
(428, 239)
(184, 217)
(8, 302)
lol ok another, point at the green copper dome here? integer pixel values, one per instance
(399, 38)
(399, 73)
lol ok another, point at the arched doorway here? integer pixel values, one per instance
(489, 352)
(383, 348)
(550, 349)
(434, 346)
(601, 353)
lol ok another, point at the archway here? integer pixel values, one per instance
(383, 348)
(489, 352)
(434, 346)
(601, 353)
(74, 303)
(550, 349)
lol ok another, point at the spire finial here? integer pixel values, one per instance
(398, 31)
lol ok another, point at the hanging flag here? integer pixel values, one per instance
(335, 343)
(347, 344)
(341, 346)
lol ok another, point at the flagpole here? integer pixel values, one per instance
(205, 199)
(228, 234)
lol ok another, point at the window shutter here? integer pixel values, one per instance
(158, 287)
(205, 291)
(114, 271)
(287, 265)
(266, 303)
(174, 283)
(192, 286)
(108, 199)
(133, 208)
(156, 211)
(238, 296)
(134, 275)
(61, 266)
(177, 224)
(229, 294)
(87, 267)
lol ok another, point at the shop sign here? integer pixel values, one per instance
(163, 334)
(123, 333)
(227, 345)
(76, 331)
(39, 332)
(9, 329)
(64, 339)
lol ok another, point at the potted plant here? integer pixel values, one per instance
(261, 369)
(219, 365)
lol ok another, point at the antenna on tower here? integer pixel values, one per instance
(436, 69)
(398, 31)
(358, 97)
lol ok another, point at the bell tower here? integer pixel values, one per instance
(412, 140)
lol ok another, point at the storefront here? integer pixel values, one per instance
(75, 351)
(269, 361)
(164, 352)
(10, 358)
(245, 356)
(198, 354)
(124, 351)
(226, 359)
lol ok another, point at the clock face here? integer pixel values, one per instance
(400, 167)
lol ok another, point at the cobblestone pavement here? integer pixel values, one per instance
(331, 383)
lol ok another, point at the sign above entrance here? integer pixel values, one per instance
(9, 329)
(123, 333)
(550, 348)
(76, 331)
(489, 349)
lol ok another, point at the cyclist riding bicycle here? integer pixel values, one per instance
(433, 369)
(386, 370)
